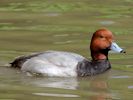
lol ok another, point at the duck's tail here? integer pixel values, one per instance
(19, 61)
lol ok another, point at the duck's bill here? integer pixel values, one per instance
(116, 48)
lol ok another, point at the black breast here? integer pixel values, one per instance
(89, 68)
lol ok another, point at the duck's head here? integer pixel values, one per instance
(102, 41)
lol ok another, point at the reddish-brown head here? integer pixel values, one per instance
(100, 44)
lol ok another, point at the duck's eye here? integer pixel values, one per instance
(101, 37)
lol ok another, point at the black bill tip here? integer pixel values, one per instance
(123, 51)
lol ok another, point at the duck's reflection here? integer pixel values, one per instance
(98, 88)
(52, 82)
(94, 88)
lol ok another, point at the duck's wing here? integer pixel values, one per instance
(54, 57)
(50, 63)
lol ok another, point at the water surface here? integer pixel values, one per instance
(28, 26)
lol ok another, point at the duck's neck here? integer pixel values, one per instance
(99, 63)
(101, 55)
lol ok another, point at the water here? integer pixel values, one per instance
(35, 26)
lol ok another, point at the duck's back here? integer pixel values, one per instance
(51, 63)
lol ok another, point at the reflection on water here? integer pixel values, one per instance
(56, 95)
(130, 87)
(120, 76)
(28, 26)
(107, 22)
(101, 87)
(64, 83)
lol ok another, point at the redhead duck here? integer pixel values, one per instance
(67, 64)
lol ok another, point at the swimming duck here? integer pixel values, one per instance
(67, 64)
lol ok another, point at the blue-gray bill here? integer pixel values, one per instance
(116, 48)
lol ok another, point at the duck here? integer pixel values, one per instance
(67, 64)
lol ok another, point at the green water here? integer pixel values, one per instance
(28, 26)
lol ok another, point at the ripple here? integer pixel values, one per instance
(53, 14)
(120, 77)
(130, 87)
(56, 95)
(61, 35)
(107, 22)
(63, 42)
(129, 66)
(7, 99)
